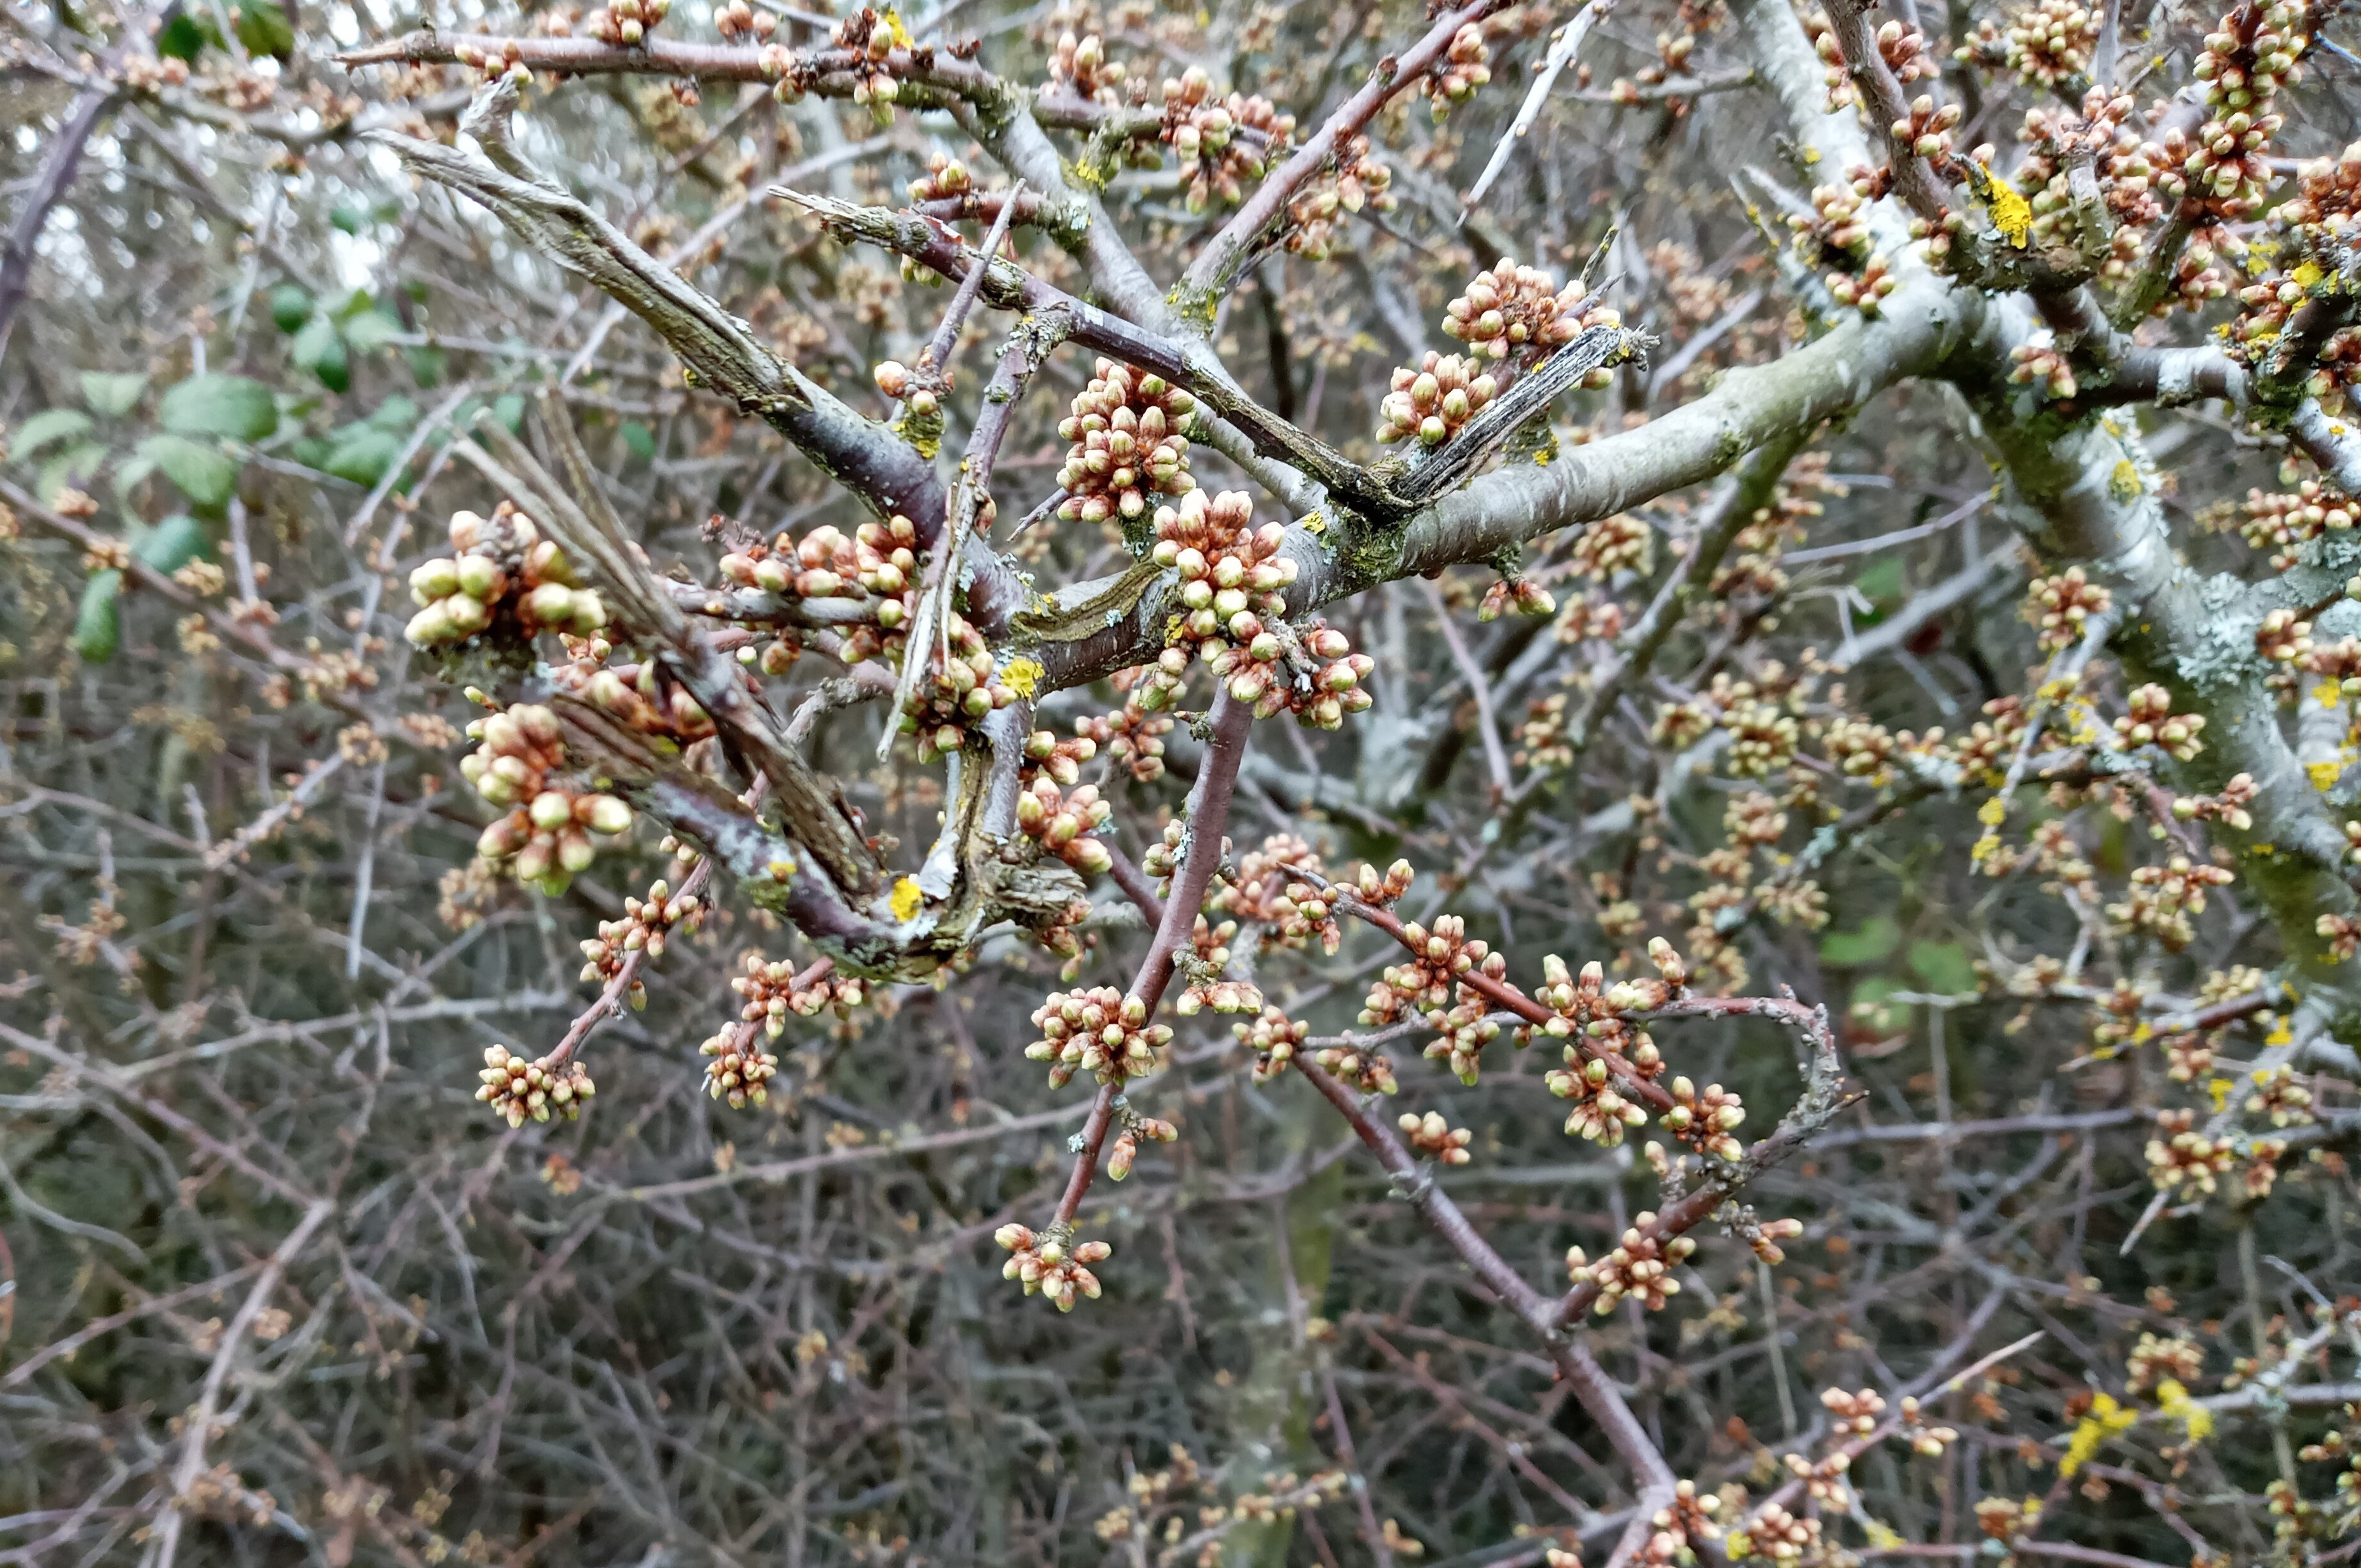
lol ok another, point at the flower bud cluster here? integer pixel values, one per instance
(742, 1067)
(1163, 858)
(1928, 131)
(2185, 1161)
(1268, 890)
(1432, 402)
(2152, 723)
(1431, 985)
(488, 64)
(2162, 899)
(516, 1088)
(1432, 1134)
(1129, 433)
(2040, 362)
(2120, 161)
(623, 24)
(2059, 606)
(773, 989)
(1124, 1147)
(873, 37)
(920, 393)
(1082, 67)
(1688, 1520)
(2224, 173)
(1544, 740)
(1928, 1441)
(1060, 761)
(545, 839)
(2227, 807)
(1363, 1067)
(1763, 1236)
(1465, 67)
(1100, 1031)
(642, 930)
(1133, 736)
(1358, 180)
(1220, 141)
(1231, 576)
(945, 178)
(738, 22)
(1051, 1265)
(1519, 593)
(2048, 43)
(1776, 1533)
(1511, 309)
(2281, 1096)
(1839, 222)
(1067, 825)
(151, 73)
(503, 567)
(880, 558)
(1904, 49)
(1274, 1037)
(1833, 74)
(966, 686)
(1705, 1118)
(1640, 1268)
(1208, 955)
(1590, 1020)
(2281, 521)
(642, 696)
(2283, 636)
(2311, 263)
(1622, 542)
(1867, 292)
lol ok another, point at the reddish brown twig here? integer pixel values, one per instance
(1208, 816)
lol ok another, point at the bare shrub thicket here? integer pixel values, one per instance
(1103, 782)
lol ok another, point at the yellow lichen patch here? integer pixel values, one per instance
(2106, 1419)
(2125, 483)
(1023, 675)
(2011, 214)
(906, 900)
(2323, 774)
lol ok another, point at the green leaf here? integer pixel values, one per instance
(204, 473)
(370, 329)
(319, 349)
(1871, 941)
(1873, 1009)
(217, 404)
(74, 466)
(639, 440)
(350, 219)
(312, 451)
(1944, 966)
(427, 365)
(98, 626)
(509, 409)
(130, 473)
(397, 414)
(171, 543)
(1882, 580)
(47, 428)
(291, 306)
(113, 395)
(262, 28)
(187, 36)
(363, 454)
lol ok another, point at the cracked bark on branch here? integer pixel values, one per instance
(719, 351)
